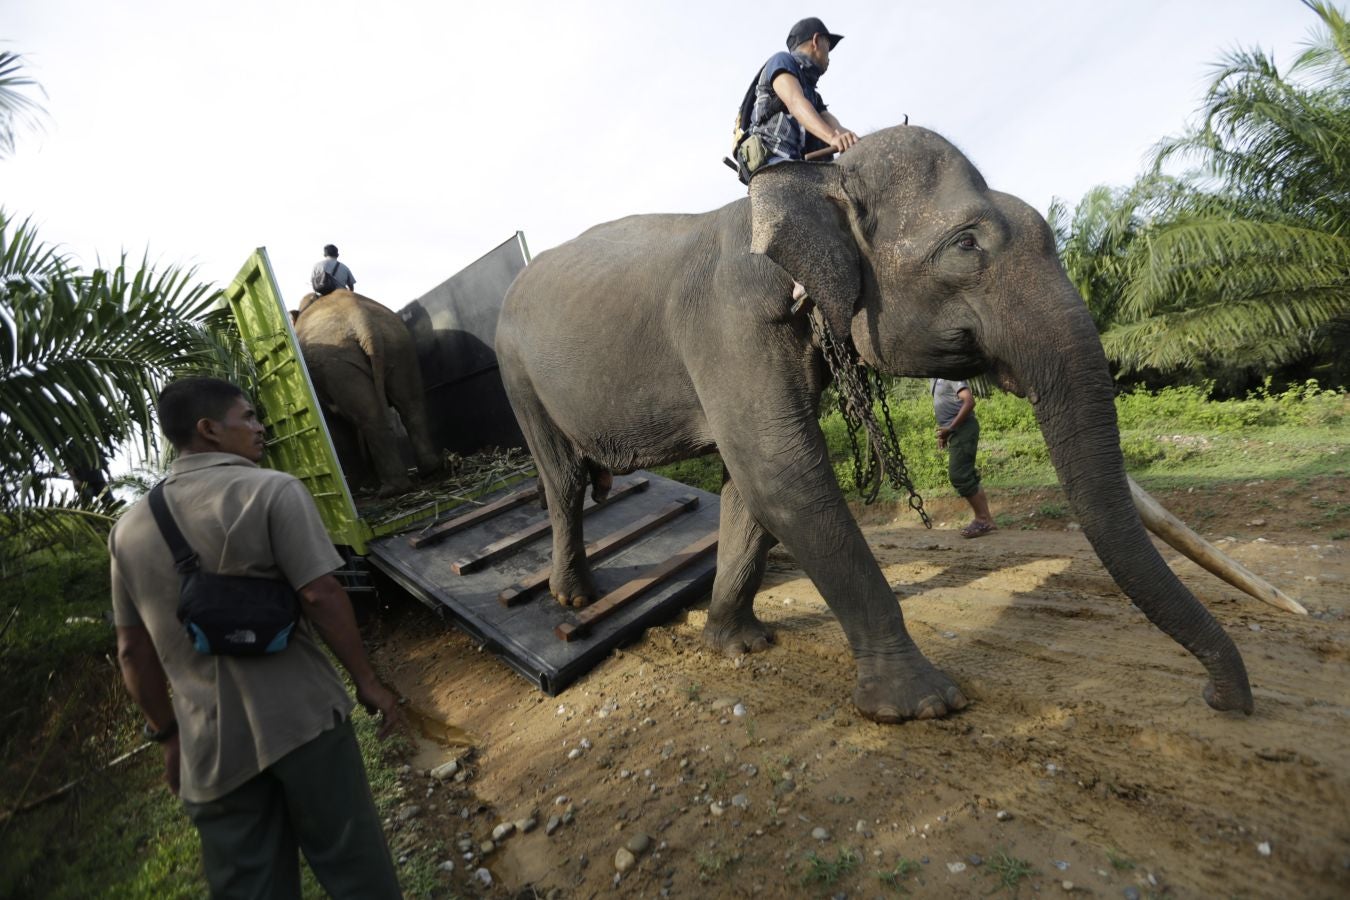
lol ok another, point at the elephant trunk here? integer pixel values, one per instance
(1064, 374)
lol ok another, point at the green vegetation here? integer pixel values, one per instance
(902, 870)
(1008, 870)
(713, 864)
(827, 872)
(17, 109)
(85, 353)
(1119, 861)
(1176, 435)
(1239, 265)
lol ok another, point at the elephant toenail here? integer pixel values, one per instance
(888, 715)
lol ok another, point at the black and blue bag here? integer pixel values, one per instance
(226, 615)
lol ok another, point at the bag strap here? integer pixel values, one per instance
(184, 558)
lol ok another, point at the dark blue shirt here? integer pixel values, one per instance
(784, 137)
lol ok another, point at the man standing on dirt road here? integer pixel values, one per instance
(958, 433)
(260, 748)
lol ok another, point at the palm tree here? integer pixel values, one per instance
(1245, 260)
(82, 356)
(1093, 241)
(16, 109)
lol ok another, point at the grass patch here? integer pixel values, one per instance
(1176, 436)
(1052, 510)
(825, 871)
(894, 877)
(713, 864)
(1008, 870)
(702, 472)
(1118, 860)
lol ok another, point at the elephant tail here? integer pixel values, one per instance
(373, 346)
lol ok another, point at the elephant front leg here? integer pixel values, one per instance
(794, 495)
(742, 550)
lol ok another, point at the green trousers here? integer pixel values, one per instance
(315, 799)
(961, 446)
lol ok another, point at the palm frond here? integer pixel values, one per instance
(85, 355)
(1255, 331)
(64, 522)
(1327, 58)
(1205, 260)
(17, 110)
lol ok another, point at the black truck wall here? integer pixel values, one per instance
(454, 326)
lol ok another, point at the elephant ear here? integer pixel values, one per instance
(799, 218)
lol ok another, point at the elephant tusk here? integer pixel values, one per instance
(1178, 534)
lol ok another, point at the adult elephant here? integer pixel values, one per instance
(659, 337)
(362, 361)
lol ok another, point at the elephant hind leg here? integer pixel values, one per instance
(564, 474)
(742, 553)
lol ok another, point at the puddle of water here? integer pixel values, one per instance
(434, 737)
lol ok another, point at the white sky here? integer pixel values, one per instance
(418, 135)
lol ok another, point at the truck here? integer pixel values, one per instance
(475, 546)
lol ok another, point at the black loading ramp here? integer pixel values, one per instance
(653, 546)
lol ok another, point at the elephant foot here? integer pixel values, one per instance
(574, 589)
(391, 488)
(891, 692)
(745, 634)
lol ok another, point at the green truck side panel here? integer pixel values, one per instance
(298, 439)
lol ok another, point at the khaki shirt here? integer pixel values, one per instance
(236, 715)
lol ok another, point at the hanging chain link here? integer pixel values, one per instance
(856, 386)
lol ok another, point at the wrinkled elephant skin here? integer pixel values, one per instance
(660, 337)
(362, 361)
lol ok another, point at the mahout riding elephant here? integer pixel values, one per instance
(660, 337)
(362, 361)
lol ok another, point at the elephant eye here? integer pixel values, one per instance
(966, 241)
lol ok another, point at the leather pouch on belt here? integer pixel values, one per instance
(753, 154)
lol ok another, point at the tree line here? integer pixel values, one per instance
(1228, 260)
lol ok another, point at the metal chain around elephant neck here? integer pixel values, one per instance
(856, 385)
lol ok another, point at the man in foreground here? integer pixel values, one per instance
(260, 747)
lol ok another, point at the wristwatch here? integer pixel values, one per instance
(161, 736)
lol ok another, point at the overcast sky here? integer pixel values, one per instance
(418, 135)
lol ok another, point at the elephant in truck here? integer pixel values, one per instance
(362, 361)
(660, 337)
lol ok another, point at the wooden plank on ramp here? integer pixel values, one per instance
(513, 542)
(570, 631)
(610, 543)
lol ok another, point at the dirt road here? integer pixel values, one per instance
(1087, 763)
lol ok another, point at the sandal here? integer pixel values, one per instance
(977, 529)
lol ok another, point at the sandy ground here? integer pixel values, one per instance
(1087, 753)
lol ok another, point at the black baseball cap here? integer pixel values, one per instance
(803, 31)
